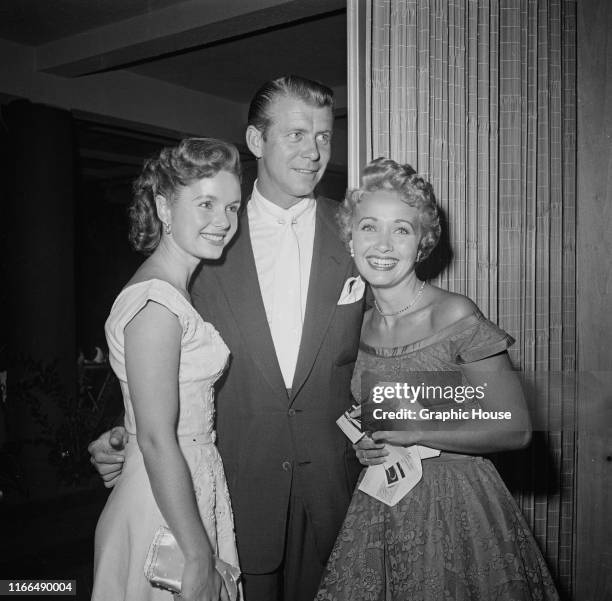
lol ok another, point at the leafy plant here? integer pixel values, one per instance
(67, 420)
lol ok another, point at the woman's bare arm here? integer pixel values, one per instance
(152, 351)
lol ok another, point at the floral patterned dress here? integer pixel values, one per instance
(131, 516)
(459, 534)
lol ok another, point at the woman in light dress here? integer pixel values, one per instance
(458, 535)
(167, 359)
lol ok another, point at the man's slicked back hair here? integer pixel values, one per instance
(311, 92)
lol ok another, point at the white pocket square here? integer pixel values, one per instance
(352, 291)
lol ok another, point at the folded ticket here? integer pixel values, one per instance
(398, 475)
(351, 427)
(395, 478)
(427, 452)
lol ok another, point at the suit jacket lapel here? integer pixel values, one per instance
(238, 279)
(330, 266)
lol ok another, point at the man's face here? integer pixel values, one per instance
(295, 151)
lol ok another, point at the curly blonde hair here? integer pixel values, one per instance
(415, 191)
(192, 159)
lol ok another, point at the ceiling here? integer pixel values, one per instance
(36, 22)
(233, 69)
(312, 42)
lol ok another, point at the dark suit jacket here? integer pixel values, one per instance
(266, 439)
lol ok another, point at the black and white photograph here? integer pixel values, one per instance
(306, 300)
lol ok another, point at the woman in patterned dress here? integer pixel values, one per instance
(167, 359)
(458, 534)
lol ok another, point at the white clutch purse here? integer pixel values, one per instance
(165, 562)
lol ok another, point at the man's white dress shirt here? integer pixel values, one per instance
(282, 241)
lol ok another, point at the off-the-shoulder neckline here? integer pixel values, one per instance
(461, 324)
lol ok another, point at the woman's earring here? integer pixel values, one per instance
(351, 249)
(419, 256)
(167, 228)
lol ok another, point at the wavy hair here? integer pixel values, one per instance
(414, 190)
(192, 159)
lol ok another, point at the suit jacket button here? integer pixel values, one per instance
(286, 466)
(291, 412)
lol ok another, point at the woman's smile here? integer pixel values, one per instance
(385, 238)
(381, 263)
(215, 239)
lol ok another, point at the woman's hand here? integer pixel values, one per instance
(398, 438)
(367, 451)
(370, 450)
(370, 453)
(201, 581)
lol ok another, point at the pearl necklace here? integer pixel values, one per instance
(408, 306)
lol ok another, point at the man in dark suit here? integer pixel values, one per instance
(275, 300)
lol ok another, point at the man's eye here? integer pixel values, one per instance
(324, 138)
(206, 204)
(233, 208)
(295, 135)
